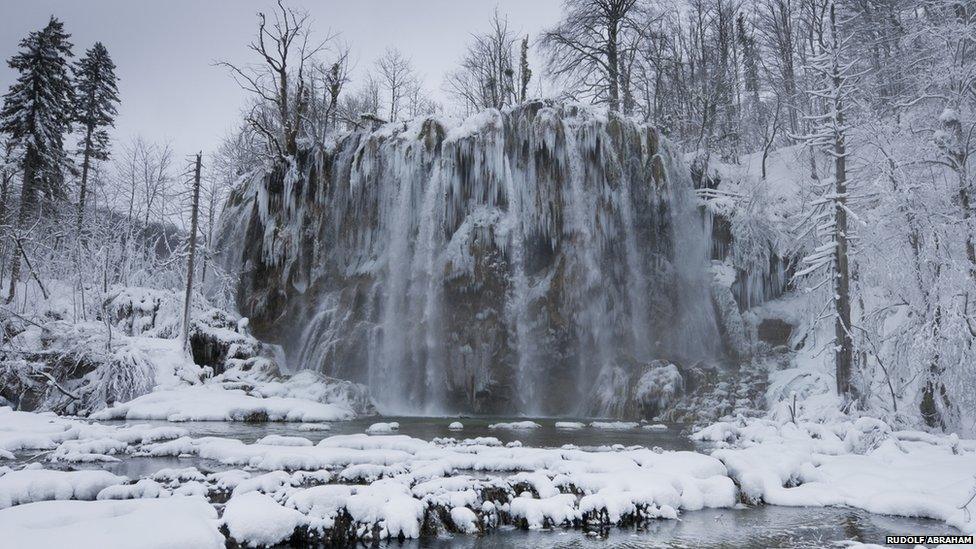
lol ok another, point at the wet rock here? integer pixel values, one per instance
(638, 391)
(486, 267)
(774, 331)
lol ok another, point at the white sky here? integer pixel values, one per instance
(165, 50)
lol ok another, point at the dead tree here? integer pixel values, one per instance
(191, 253)
(281, 80)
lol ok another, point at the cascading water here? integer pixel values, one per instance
(502, 265)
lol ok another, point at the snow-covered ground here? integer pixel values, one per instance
(362, 486)
(858, 463)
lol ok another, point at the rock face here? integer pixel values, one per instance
(500, 265)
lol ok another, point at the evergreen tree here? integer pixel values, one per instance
(97, 96)
(36, 114)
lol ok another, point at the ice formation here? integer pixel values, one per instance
(496, 265)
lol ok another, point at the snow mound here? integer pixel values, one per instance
(857, 463)
(615, 425)
(279, 440)
(255, 520)
(185, 522)
(383, 428)
(31, 485)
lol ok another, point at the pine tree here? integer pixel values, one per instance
(97, 95)
(36, 114)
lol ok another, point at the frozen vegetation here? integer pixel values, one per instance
(126, 363)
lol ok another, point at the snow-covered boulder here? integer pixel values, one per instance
(638, 391)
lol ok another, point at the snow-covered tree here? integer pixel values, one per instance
(830, 214)
(97, 97)
(524, 72)
(36, 114)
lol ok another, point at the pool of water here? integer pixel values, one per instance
(427, 428)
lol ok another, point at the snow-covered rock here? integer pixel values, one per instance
(383, 428)
(515, 425)
(256, 520)
(615, 425)
(30, 485)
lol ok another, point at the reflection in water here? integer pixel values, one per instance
(753, 527)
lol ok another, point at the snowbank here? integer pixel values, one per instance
(185, 522)
(31, 485)
(214, 403)
(856, 463)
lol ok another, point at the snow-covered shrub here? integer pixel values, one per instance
(125, 375)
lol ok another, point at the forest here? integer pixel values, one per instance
(725, 247)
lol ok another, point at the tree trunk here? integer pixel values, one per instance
(188, 298)
(844, 343)
(24, 216)
(613, 73)
(4, 196)
(85, 165)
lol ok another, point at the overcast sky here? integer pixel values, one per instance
(165, 50)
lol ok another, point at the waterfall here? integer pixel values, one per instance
(500, 265)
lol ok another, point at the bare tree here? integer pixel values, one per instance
(585, 47)
(486, 76)
(191, 255)
(777, 20)
(397, 79)
(8, 171)
(281, 80)
(365, 101)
